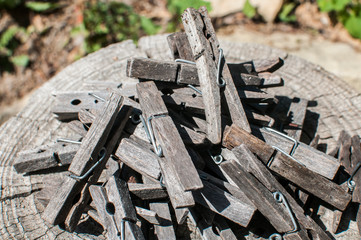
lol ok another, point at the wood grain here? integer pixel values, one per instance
(168, 137)
(207, 72)
(35, 124)
(165, 230)
(44, 157)
(96, 136)
(147, 191)
(141, 160)
(260, 196)
(224, 204)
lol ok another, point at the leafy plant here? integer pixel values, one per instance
(21, 60)
(285, 14)
(177, 7)
(332, 5)
(353, 25)
(8, 43)
(41, 6)
(249, 10)
(348, 12)
(108, 22)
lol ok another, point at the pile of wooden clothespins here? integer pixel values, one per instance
(193, 140)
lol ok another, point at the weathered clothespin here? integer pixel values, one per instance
(88, 163)
(151, 191)
(350, 157)
(148, 215)
(180, 47)
(296, 116)
(243, 156)
(78, 127)
(293, 128)
(138, 158)
(224, 204)
(115, 208)
(212, 76)
(44, 157)
(184, 72)
(261, 197)
(204, 229)
(313, 159)
(70, 103)
(288, 167)
(165, 137)
(164, 230)
(241, 74)
(165, 71)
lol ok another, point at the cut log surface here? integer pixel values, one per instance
(338, 108)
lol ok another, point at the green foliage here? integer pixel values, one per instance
(149, 27)
(21, 60)
(7, 36)
(353, 26)
(332, 5)
(249, 10)
(8, 43)
(348, 12)
(106, 23)
(41, 6)
(177, 7)
(285, 14)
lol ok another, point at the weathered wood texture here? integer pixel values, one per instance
(212, 197)
(45, 157)
(141, 160)
(206, 50)
(167, 136)
(289, 168)
(35, 125)
(313, 159)
(147, 191)
(296, 116)
(165, 229)
(243, 156)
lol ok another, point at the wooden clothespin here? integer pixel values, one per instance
(313, 159)
(115, 208)
(242, 76)
(296, 116)
(78, 127)
(180, 47)
(184, 72)
(289, 168)
(350, 157)
(261, 197)
(224, 204)
(91, 157)
(151, 191)
(148, 215)
(208, 57)
(243, 156)
(70, 103)
(164, 71)
(165, 229)
(255, 95)
(138, 158)
(205, 230)
(167, 136)
(44, 157)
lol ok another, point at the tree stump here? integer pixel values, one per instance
(336, 107)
